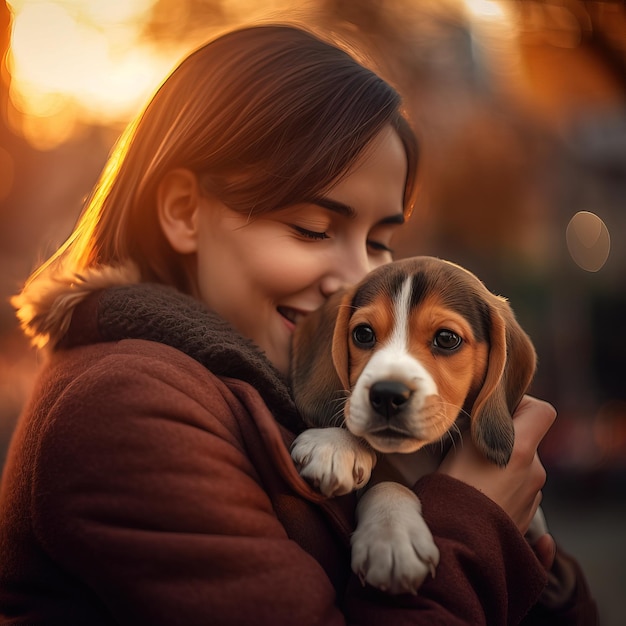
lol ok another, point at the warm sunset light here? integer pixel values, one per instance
(485, 8)
(80, 62)
(75, 63)
(108, 184)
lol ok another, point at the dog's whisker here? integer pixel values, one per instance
(445, 430)
(450, 436)
(338, 416)
(455, 407)
(455, 435)
(455, 427)
(452, 432)
(338, 419)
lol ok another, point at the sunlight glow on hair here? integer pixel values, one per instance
(485, 8)
(79, 63)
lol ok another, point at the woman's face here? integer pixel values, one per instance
(262, 275)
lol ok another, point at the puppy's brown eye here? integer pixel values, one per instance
(446, 340)
(364, 336)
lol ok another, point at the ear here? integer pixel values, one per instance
(319, 389)
(341, 340)
(510, 369)
(177, 205)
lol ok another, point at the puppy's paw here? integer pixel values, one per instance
(392, 547)
(333, 460)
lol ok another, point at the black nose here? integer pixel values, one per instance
(388, 397)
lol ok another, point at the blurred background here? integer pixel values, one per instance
(521, 110)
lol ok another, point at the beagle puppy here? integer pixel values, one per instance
(385, 374)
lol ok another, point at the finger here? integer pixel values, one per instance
(526, 515)
(539, 473)
(533, 418)
(545, 549)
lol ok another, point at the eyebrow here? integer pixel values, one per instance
(347, 211)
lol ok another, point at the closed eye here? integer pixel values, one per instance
(309, 234)
(377, 246)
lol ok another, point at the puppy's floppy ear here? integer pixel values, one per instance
(341, 339)
(510, 369)
(319, 362)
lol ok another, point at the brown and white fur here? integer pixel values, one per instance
(398, 365)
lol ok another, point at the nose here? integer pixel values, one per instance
(344, 272)
(388, 397)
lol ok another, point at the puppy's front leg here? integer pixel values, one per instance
(392, 547)
(333, 460)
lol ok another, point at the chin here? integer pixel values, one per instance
(283, 368)
(280, 362)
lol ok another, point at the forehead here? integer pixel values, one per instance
(450, 286)
(374, 185)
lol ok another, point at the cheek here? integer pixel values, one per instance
(257, 256)
(358, 359)
(456, 375)
(249, 272)
(480, 360)
(380, 317)
(381, 258)
(460, 374)
(281, 269)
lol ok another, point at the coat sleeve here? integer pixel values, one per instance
(145, 494)
(577, 608)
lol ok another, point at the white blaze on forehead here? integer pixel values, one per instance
(401, 304)
(393, 360)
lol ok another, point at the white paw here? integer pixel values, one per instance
(392, 547)
(333, 460)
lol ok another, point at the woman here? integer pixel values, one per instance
(149, 479)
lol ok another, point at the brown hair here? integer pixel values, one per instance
(266, 116)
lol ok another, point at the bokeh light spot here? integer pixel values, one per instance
(588, 241)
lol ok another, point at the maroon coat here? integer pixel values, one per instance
(152, 484)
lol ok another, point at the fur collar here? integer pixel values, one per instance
(160, 313)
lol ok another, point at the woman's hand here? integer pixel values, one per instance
(516, 488)
(545, 549)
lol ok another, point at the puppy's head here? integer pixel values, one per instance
(403, 353)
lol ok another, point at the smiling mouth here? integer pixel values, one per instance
(288, 314)
(291, 315)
